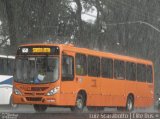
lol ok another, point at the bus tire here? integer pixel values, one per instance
(79, 104)
(40, 108)
(130, 103)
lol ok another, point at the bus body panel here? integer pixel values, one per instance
(5, 89)
(106, 90)
(93, 91)
(36, 94)
(5, 94)
(68, 93)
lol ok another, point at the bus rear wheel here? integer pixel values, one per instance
(79, 104)
(40, 108)
(130, 103)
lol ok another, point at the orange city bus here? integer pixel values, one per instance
(67, 76)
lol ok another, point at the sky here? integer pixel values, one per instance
(87, 16)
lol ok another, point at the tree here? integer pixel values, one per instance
(11, 22)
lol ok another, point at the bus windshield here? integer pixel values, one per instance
(36, 69)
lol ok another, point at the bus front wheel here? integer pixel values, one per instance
(80, 104)
(40, 108)
(12, 105)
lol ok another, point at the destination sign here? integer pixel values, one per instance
(38, 50)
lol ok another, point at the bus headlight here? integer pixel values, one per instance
(53, 91)
(17, 92)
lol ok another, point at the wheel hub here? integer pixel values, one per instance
(130, 105)
(79, 104)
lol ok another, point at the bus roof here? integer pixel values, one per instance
(71, 47)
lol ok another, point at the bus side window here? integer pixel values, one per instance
(130, 71)
(149, 74)
(141, 72)
(93, 66)
(1, 66)
(107, 67)
(81, 64)
(10, 67)
(119, 69)
(5, 61)
(67, 68)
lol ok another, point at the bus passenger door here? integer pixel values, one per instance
(94, 97)
(68, 91)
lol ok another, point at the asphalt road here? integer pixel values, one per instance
(27, 112)
(30, 109)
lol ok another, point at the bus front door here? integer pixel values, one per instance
(68, 88)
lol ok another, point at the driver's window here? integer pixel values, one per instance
(67, 68)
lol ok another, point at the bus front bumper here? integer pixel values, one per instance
(45, 100)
